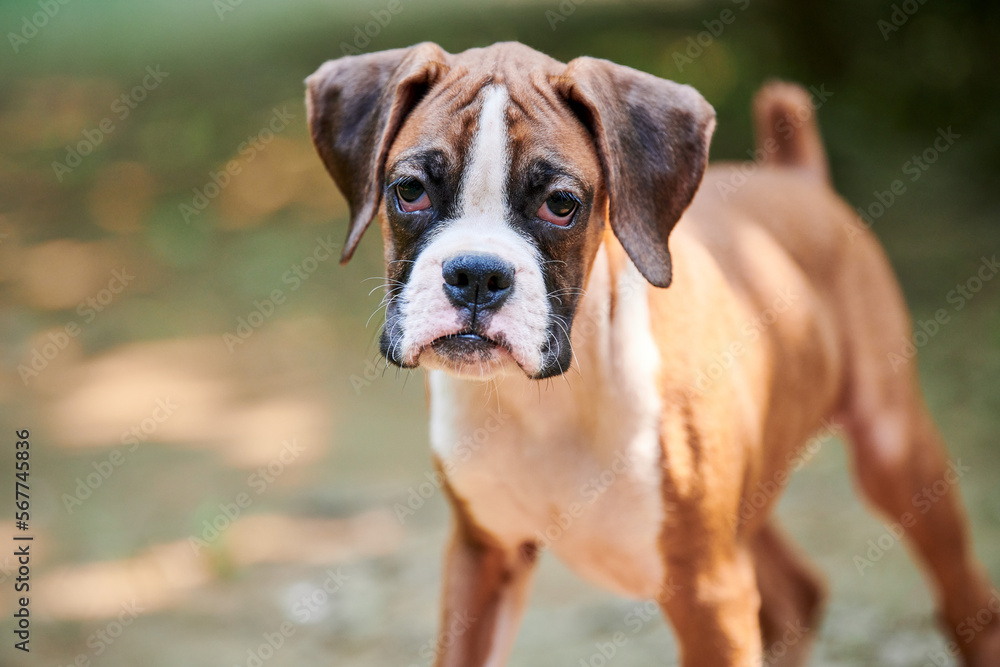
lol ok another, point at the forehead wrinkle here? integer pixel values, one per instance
(542, 87)
(435, 115)
(447, 87)
(459, 90)
(544, 128)
(528, 107)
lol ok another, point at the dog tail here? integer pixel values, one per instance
(787, 134)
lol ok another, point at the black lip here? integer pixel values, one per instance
(464, 346)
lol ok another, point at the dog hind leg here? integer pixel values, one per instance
(791, 598)
(900, 461)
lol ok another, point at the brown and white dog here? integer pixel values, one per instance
(525, 206)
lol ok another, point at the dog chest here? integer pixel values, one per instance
(587, 490)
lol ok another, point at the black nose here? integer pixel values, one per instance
(477, 282)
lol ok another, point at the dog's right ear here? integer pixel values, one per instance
(356, 105)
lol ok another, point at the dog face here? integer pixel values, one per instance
(491, 253)
(495, 173)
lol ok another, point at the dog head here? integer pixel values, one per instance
(495, 173)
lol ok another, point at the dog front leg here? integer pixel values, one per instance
(714, 611)
(485, 591)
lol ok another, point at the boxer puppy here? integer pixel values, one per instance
(654, 398)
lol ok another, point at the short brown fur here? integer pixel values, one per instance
(744, 244)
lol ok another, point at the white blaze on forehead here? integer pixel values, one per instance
(485, 178)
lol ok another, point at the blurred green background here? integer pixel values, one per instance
(149, 424)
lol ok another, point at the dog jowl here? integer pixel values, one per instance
(495, 173)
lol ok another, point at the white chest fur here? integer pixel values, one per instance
(572, 464)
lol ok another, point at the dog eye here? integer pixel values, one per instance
(559, 208)
(412, 196)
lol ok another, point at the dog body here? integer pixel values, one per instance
(588, 467)
(641, 434)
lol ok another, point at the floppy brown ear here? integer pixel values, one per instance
(356, 105)
(652, 137)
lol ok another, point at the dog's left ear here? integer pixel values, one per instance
(356, 106)
(652, 138)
